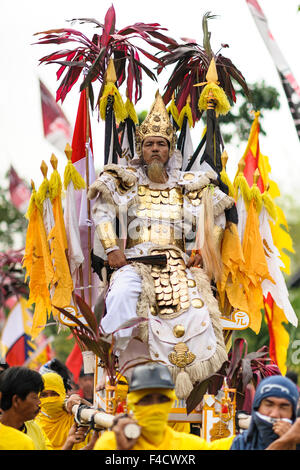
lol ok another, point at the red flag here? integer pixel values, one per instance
(57, 129)
(74, 362)
(83, 160)
(79, 136)
(19, 191)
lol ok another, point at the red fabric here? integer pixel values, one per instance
(16, 356)
(19, 191)
(79, 135)
(52, 114)
(74, 362)
(250, 167)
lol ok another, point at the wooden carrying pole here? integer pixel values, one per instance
(87, 138)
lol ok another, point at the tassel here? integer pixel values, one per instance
(222, 106)
(172, 109)
(42, 193)
(226, 180)
(256, 195)
(241, 184)
(71, 174)
(269, 205)
(186, 111)
(55, 185)
(131, 113)
(119, 107)
(183, 385)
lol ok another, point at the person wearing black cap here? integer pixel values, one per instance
(273, 412)
(150, 399)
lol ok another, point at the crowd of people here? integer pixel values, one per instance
(36, 413)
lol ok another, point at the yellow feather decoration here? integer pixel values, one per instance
(119, 107)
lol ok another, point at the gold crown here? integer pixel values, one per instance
(157, 123)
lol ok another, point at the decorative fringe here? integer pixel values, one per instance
(223, 105)
(199, 370)
(226, 180)
(31, 205)
(269, 205)
(131, 113)
(186, 111)
(172, 109)
(71, 174)
(55, 185)
(240, 183)
(42, 194)
(183, 385)
(146, 299)
(119, 107)
(257, 196)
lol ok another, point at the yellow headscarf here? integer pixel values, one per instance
(54, 420)
(153, 419)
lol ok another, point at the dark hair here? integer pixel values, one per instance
(60, 368)
(18, 381)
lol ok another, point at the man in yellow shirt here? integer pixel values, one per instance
(150, 399)
(20, 402)
(12, 439)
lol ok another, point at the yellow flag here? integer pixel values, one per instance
(233, 277)
(256, 267)
(62, 293)
(38, 267)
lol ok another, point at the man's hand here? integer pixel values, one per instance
(194, 261)
(281, 427)
(76, 435)
(123, 443)
(288, 440)
(116, 259)
(74, 399)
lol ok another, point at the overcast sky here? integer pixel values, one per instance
(21, 132)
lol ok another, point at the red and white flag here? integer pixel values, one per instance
(18, 190)
(16, 344)
(83, 160)
(57, 129)
(289, 83)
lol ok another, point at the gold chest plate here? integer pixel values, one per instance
(163, 208)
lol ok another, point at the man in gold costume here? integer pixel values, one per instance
(162, 210)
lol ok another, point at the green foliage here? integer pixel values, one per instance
(62, 343)
(239, 118)
(12, 223)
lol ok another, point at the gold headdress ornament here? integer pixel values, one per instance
(157, 123)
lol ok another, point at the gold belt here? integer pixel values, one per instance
(159, 234)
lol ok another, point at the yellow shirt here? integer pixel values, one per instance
(173, 440)
(36, 433)
(12, 439)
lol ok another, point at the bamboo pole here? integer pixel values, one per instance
(87, 138)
